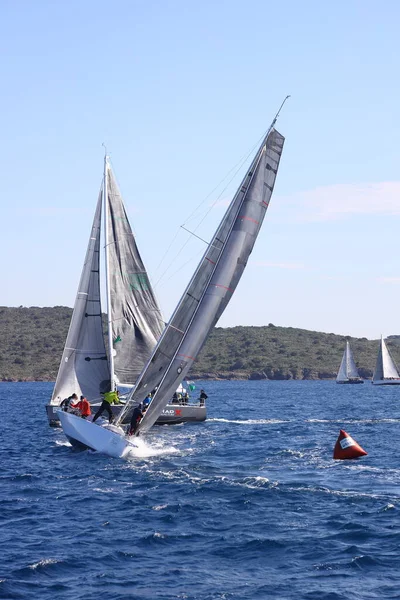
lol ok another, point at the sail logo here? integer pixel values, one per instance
(138, 281)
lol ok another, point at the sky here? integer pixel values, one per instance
(180, 91)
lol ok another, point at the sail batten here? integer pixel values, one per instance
(212, 285)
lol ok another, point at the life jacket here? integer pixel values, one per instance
(84, 407)
(111, 397)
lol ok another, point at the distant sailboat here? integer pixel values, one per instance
(348, 372)
(386, 372)
(202, 304)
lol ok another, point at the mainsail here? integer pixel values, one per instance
(135, 318)
(212, 284)
(385, 367)
(348, 369)
(84, 367)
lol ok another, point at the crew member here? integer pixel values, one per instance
(147, 401)
(137, 416)
(203, 397)
(67, 402)
(84, 407)
(109, 398)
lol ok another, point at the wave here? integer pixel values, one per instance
(250, 421)
(361, 421)
(43, 563)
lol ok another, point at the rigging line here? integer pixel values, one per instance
(171, 263)
(205, 216)
(184, 265)
(168, 249)
(237, 166)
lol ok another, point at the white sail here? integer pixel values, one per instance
(84, 367)
(348, 369)
(135, 319)
(212, 285)
(385, 367)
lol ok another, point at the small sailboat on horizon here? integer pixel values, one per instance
(386, 371)
(348, 372)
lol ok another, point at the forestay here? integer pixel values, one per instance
(84, 367)
(136, 319)
(212, 285)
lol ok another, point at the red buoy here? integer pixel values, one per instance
(346, 447)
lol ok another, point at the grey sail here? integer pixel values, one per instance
(385, 367)
(136, 320)
(348, 369)
(84, 366)
(212, 284)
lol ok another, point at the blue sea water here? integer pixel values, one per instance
(247, 505)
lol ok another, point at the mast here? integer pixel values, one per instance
(107, 259)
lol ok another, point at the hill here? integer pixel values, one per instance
(32, 340)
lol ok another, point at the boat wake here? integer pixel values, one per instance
(144, 450)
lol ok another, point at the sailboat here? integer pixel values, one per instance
(348, 372)
(203, 302)
(386, 372)
(134, 319)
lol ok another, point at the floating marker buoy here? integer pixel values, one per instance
(346, 447)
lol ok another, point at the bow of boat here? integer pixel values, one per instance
(107, 439)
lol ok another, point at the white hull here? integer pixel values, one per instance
(107, 440)
(386, 382)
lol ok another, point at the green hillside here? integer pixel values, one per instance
(32, 340)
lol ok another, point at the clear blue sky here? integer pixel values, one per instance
(180, 91)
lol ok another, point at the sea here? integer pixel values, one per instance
(247, 505)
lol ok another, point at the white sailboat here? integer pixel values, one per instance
(134, 319)
(348, 372)
(386, 372)
(203, 302)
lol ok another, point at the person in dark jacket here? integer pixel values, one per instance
(137, 416)
(203, 397)
(67, 402)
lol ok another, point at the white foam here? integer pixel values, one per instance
(43, 563)
(159, 507)
(144, 450)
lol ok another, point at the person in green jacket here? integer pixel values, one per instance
(109, 398)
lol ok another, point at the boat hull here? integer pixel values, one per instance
(351, 381)
(84, 434)
(386, 382)
(171, 415)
